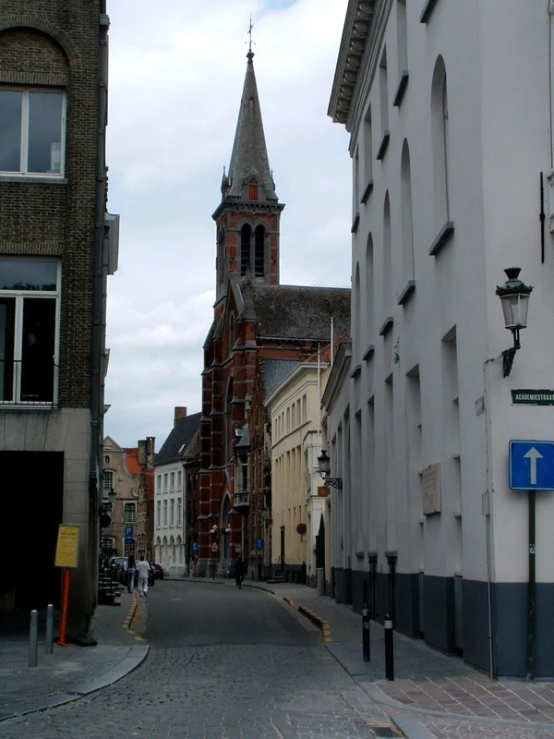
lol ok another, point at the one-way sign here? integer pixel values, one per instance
(532, 465)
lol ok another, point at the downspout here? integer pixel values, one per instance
(98, 310)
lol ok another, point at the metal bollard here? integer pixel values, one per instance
(365, 632)
(389, 649)
(33, 639)
(49, 646)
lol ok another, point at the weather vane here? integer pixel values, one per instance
(250, 27)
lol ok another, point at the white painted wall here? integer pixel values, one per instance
(496, 55)
(169, 540)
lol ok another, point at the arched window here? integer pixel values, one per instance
(229, 422)
(439, 135)
(407, 214)
(369, 288)
(387, 258)
(245, 238)
(253, 189)
(231, 334)
(259, 251)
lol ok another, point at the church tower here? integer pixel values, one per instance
(248, 217)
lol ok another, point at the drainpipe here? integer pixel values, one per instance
(98, 311)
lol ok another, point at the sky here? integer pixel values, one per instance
(176, 73)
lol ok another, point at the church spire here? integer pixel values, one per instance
(249, 160)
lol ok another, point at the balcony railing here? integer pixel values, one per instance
(28, 382)
(242, 500)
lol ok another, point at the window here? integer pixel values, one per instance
(159, 482)
(172, 481)
(107, 481)
(158, 513)
(259, 251)
(107, 543)
(439, 135)
(304, 408)
(384, 93)
(165, 512)
(129, 513)
(165, 480)
(32, 131)
(179, 511)
(368, 163)
(29, 293)
(245, 249)
(172, 512)
(179, 479)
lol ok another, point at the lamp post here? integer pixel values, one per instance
(514, 296)
(325, 468)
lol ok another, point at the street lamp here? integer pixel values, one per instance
(514, 296)
(105, 510)
(324, 470)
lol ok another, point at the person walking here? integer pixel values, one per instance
(143, 569)
(131, 572)
(240, 569)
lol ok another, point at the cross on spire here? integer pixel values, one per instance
(250, 42)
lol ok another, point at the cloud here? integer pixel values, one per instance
(176, 77)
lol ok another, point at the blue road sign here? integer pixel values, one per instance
(532, 465)
(195, 547)
(258, 544)
(128, 533)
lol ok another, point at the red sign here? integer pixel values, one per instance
(301, 529)
(214, 547)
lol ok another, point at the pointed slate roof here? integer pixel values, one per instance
(249, 158)
(179, 437)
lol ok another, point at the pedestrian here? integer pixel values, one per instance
(131, 572)
(143, 569)
(240, 569)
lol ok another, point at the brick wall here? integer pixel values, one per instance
(54, 43)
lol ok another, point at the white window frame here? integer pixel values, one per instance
(24, 143)
(179, 510)
(165, 512)
(20, 296)
(172, 512)
(129, 506)
(158, 514)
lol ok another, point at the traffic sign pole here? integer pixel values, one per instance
(531, 591)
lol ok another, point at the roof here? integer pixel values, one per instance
(276, 372)
(179, 437)
(324, 354)
(131, 460)
(249, 157)
(300, 312)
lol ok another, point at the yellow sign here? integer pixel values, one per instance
(67, 548)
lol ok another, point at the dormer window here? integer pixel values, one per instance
(253, 189)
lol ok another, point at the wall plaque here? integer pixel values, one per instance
(431, 489)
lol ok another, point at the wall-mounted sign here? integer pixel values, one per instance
(301, 529)
(431, 484)
(533, 397)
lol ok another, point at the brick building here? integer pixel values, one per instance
(57, 246)
(261, 330)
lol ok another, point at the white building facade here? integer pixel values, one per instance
(448, 108)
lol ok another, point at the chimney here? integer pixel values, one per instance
(180, 412)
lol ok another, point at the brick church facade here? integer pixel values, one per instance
(260, 332)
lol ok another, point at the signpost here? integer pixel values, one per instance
(531, 469)
(259, 544)
(67, 555)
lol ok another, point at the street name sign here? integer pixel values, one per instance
(533, 397)
(532, 465)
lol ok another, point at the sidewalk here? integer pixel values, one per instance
(428, 685)
(70, 672)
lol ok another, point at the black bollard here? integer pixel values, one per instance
(389, 649)
(365, 632)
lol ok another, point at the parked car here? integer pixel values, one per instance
(158, 572)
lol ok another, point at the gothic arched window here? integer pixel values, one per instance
(245, 234)
(259, 251)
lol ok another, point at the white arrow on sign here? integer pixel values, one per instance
(533, 455)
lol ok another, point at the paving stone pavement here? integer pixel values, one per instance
(223, 692)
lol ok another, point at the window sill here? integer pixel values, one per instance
(355, 224)
(11, 406)
(443, 237)
(37, 178)
(370, 352)
(407, 292)
(387, 326)
(402, 85)
(356, 372)
(367, 192)
(384, 146)
(427, 11)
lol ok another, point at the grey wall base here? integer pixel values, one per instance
(509, 617)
